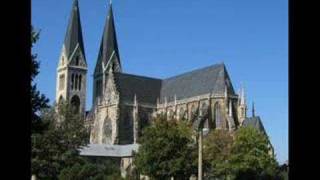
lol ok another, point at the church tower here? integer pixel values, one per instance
(108, 57)
(242, 106)
(72, 66)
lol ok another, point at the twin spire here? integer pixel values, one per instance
(73, 36)
(108, 47)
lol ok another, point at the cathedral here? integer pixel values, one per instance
(123, 104)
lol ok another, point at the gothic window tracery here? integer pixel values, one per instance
(76, 82)
(193, 113)
(107, 130)
(80, 82)
(217, 115)
(182, 114)
(72, 81)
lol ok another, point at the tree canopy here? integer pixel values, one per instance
(166, 150)
(57, 147)
(38, 100)
(217, 151)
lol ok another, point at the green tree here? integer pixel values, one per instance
(57, 147)
(38, 100)
(250, 158)
(90, 169)
(216, 153)
(166, 150)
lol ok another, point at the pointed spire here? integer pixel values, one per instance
(242, 100)
(73, 36)
(135, 100)
(165, 101)
(109, 45)
(175, 100)
(253, 110)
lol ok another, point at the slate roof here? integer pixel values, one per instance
(211, 79)
(74, 31)
(254, 122)
(109, 150)
(146, 89)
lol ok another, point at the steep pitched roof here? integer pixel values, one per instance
(109, 40)
(254, 122)
(211, 79)
(146, 89)
(74, 31)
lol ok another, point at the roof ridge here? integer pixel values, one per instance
(135, 75)
(195, 70)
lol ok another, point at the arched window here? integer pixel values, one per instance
(60, 100)
(182, 114)
(62, 61)
(204, 109)
(107, 130)
(193, 113)
(75, 104)
(72, 81)
(76, 82)
(170, 115)
(80, 82)
(217, 115)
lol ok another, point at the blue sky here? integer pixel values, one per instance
(165, 38)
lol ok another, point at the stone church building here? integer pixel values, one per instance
(123, 104)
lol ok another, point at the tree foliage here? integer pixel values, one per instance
(250, 158)
(89, 169)
(165, 150)
(57, 147)
(217, 151)
(240, 155)
(38, 100)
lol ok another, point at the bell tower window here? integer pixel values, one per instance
(80, 82)
(76, 82)
(72, 81)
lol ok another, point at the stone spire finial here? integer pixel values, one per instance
(135, 100)
(165, 101)
(158, 102)
(242, 99)
(253, 110)
(175, 100)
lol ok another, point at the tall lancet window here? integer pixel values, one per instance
(61, 82)
(76, 82)
(72, 81)
(80, 82)
(217, 115)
